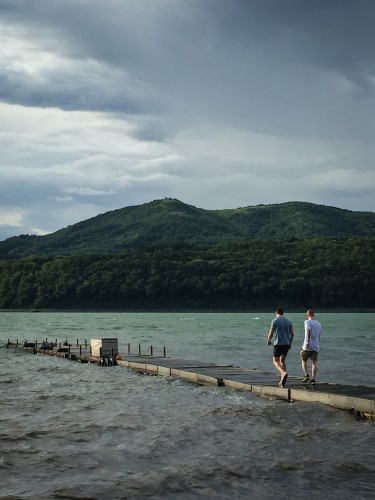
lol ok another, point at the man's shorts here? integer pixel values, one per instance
(280, 350)
(305, 355)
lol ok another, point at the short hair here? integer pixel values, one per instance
(310, 312)
(279, 310)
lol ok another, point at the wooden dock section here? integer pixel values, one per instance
(357, 399)
(67, 350)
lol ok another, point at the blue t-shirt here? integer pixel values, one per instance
(282, 328)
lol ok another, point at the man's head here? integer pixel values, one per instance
(279, 311)
(310, 314)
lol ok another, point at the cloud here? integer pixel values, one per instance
(84, 191)
(10, 216)
(218, 103)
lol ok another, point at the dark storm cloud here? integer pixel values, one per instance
(220, 103)
(246, 62)
(68, 91)
(335, 34)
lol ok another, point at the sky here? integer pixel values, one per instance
(218, 103)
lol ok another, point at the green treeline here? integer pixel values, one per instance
(315, 272)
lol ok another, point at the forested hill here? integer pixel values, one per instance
(169, 221)
(166, 255)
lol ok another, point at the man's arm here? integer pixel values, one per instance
(270, 335)
(308, 335)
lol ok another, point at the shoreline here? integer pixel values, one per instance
(192, 310)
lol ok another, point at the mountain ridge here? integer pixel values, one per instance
(169, 221)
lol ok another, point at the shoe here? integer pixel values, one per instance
(306, 379)
(312, 382)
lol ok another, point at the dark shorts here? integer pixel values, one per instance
(280, 350)
(305, 355)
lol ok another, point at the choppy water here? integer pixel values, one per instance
(75, 431)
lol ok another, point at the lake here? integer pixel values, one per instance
(70, 430)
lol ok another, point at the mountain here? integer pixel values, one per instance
(169, 221)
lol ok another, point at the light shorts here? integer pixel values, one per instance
(305, 355)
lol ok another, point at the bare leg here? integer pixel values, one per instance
(314, 369)
(305, 368)
(282, 362)
(280, 366)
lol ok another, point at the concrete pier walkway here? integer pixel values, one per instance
(358, 399)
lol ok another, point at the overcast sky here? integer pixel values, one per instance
(219, 103)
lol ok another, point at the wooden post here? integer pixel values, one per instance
(151, 351)
(128, 348)
(17, 342)
(139, 349)
(164, 352)
(80, 350)
(77, 343)
(86, 343)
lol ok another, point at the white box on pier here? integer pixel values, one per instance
(104, 347)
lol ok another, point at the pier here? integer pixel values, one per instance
(359, 400)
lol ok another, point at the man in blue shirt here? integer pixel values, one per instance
(282, 328)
